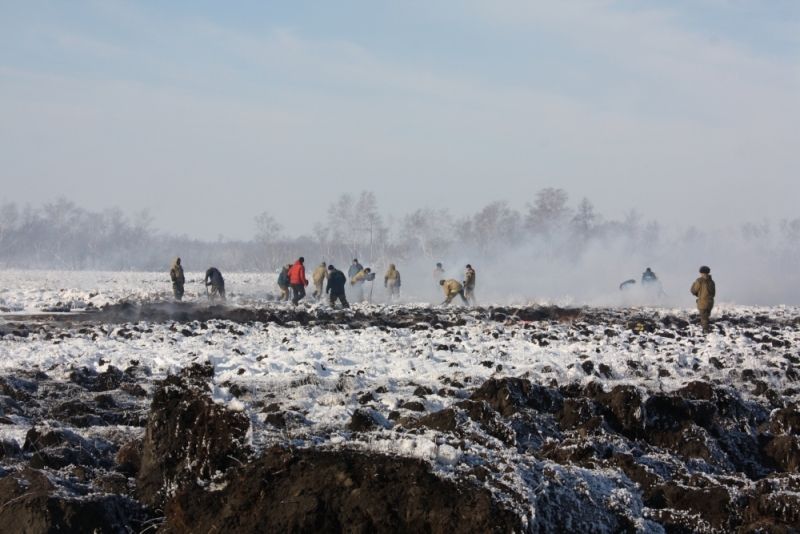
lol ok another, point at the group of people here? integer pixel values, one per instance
(292, 278)
(703, 288)
(452, 288)
(212, 279)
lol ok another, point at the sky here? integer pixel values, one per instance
(210, 113)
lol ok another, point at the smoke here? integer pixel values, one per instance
(551, 254)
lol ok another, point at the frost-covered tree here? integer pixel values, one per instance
(549, 212)
(354, 222)
(268, 233)
(495, 227)
(430, 230)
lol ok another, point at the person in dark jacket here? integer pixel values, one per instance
(283, 282)
(214, 279)
(336, 282)
(176, 275)
(705, 290)
(354, 269)
(297, 280)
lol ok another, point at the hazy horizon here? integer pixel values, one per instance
(209, 114)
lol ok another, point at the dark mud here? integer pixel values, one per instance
(385, 316)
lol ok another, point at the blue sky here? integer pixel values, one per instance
(210, 113)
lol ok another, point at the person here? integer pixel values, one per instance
(391, 281)
(176, 274)
(451, 289)
(336, 281)
(648, 277)
(705, 290)
(214, 279)
(354, 269)
(297, 280)
(438, 273)
(319, 276)
(469, 285)
(650, 282)
(364, 275)
(283, 282)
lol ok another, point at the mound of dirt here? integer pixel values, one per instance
(337, 491)
(33, 504)
(188, 437)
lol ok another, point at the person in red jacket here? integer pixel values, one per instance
(297, 280)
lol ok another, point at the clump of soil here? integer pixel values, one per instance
(33, 504)
(188, 437)
(288, 490)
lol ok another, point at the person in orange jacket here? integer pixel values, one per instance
(297, 280)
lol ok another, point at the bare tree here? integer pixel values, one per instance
(322, 235)
(430, 229)
(549, 212)
(354, 222)
(267, 235)
(584, 221)
(495, 226)
(9, 215)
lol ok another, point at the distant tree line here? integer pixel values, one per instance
(62, 235)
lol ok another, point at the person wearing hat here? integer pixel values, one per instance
(451, 289)
(354, 269)
(297, 280)
(391, 281)
(214, 279)
(469, 285)
(319, 276)
(336, 281)
(283, 282)
(364, 275)
(176, 275)
(705, 290)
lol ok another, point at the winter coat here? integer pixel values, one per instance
(354, 270)
(705, 290)
(649, 276)
(283, 278)
(297, 274)
(176, 272)
(469, 279)
(392, 276)
(359, 277)
(437, 274)
(336, 281)
(451, 287)
(320, 273)
(214, 276)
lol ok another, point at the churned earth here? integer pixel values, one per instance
(139, 414)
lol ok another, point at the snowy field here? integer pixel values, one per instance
(302, 384)
(31, 291)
